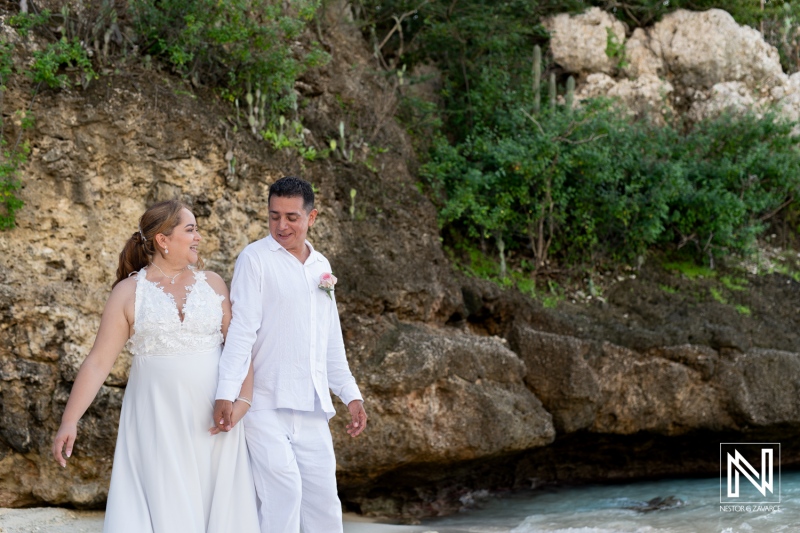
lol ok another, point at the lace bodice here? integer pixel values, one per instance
(157, 326)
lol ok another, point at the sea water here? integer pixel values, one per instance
(619, 508)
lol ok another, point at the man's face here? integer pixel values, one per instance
(289, 222)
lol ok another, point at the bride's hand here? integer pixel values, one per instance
(66, 435)
(239, 410)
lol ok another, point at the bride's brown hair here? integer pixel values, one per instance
(141, 247)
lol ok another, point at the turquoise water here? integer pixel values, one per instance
(607, 509)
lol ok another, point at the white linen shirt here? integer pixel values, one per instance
(290, 328)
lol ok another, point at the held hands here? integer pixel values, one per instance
(223, 412)
(238, 410)
(66, 436)
(358, 418)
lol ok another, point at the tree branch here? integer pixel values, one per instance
(398, 22)
(777, 210)
(582, 141)
(534, 121)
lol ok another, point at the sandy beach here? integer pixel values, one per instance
(55, 520)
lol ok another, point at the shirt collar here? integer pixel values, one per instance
(275, 246)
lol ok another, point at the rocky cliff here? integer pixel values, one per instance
(695, 64)
(467, 386)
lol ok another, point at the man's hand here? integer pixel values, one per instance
(358, 418)
(222, 415)
(239, 410)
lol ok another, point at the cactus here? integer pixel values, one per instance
(537, 79)
(256, 109)
(570, 93)
(347, 155)
(552, 91)
(251, 119)
(501, 248)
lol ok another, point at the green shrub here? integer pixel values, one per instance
(239, 45)
(25, 22)
(48, 64)
(10, 158)
(593, 186)
(10, 164)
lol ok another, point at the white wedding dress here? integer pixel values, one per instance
(169, 474)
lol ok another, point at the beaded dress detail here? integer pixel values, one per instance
(169, 474)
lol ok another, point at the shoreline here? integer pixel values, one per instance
(61, 520)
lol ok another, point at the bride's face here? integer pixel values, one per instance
(182, 243)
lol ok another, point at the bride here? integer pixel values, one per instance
(171, 472)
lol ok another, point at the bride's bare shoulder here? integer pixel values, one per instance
(125, 289)
(216, 282)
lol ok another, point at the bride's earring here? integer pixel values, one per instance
(166, 251)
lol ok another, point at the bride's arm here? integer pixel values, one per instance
(218, 284)
(115, 326)
(239, 407)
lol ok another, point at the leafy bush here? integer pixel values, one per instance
(25, 22)
(240, 45)
(12, 158)
(591, 186)
(481, 47)
(48, 63)
(10, 184)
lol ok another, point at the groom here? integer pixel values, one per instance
(285, 318)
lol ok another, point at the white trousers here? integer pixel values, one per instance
(294, 468)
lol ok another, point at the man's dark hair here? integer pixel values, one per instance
(291, 187)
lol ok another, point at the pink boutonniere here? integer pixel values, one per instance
(326, 282)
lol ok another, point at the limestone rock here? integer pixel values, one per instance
(787, 97)
(609, 389)
(646, 393)
(579, 42)
(701, 49)
(731, 96)
(440, 397)
(646, 95)
(558, 373)
(703, 62)
(644, 55)
(7, 33)
(763, 387)
(595, 85)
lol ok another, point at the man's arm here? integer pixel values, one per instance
(340, 379)
(247, 302)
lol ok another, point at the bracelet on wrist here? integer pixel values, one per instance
(245, 400)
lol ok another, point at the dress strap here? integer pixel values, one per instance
(138, 301)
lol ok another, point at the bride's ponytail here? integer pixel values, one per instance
(133, 257)
(138, 252)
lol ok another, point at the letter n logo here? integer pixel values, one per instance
(738, 459)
